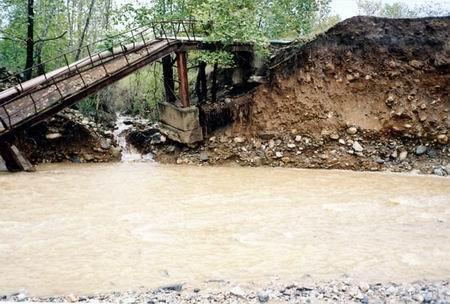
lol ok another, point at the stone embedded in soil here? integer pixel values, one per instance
(238, 292)
(172, 287)
(442, 139)
(390, 101)
(52, 136)
(204, 156)
(88, 157)
(334, 136)
(432, 153)
(416, 64)
(352, 130)
(357, 146)
(403, 155)
(440, 171)
(420, 150)
(263, 297)
(239, 140)
(105, 144)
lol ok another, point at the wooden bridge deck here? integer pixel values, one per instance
(42, 99)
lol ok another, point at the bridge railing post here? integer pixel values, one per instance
(183, 78)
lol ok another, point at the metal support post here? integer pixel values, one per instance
(183, 77)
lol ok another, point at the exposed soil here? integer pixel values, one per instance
(68, 136)
(369, 94)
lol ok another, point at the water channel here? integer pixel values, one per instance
(87, 228)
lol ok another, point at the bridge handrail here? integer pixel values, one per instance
(186, 27)
(8, 125)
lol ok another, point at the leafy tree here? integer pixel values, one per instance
(34, 31)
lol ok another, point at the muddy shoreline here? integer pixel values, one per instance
(71, 137)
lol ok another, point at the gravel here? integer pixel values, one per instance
(336, 291)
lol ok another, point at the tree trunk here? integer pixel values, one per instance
(214, 84)
(85, 29)
(40, 44)
(201, 85)
(108, 6)
(169, 86)
(29, 62)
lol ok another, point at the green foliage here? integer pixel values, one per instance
(221, 58)
(291, 18)
(230, 21)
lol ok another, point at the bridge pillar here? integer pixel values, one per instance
(183, 78)
(181, 124)
(169, 85)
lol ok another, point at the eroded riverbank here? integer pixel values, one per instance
(79, 228)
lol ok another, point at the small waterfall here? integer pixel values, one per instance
(129, 152)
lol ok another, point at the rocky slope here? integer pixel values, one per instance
(369, 94)
(68, 136)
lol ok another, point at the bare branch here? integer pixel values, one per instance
(12, 37)
(51, 39)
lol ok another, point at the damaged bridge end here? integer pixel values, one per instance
(13, 158)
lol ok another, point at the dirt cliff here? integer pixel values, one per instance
(384, 76)
(369, 94)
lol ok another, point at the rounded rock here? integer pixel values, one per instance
(420, 150)
(442, 139)
(239, 140)
(334, 136)
(403, 155)
(263, 297)
(352, 130)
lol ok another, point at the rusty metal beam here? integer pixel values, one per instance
(183, 78)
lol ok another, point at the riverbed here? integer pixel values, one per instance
(85, 228)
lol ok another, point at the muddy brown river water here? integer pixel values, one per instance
(91, 228)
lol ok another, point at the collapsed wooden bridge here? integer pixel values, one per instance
(32, 101)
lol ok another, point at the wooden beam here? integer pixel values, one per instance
(14, 160)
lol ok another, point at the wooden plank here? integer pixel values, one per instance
(13, 158)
